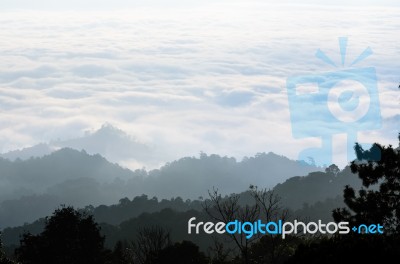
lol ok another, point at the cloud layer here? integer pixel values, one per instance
(210, 78)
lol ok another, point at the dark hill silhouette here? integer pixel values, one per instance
(226, 173)
(33, 188)
(37, 174)
(77, 178)
(316, 186)
(171, 215)
(311, 197)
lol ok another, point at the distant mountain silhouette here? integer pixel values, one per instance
(108, 141)
(316, 186)
(77, 178)
(311, 197)
(65, 164)
(197, 175)
(67, 176)
(38, 150)
(314, 195)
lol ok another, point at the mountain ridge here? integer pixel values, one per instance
(78, 178)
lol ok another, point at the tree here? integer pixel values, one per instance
(332, 169)
(184, 252)
(378, 166)
(121, 254)
(3, 257)
(271, 248)
(263, 205)
(149, 243)
(348, 249)
(69, 237)
(228, 209)
(218, 254)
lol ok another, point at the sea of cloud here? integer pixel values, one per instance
(185, 79)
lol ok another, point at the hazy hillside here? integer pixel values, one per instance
(198, 175)
(310, 197)
(77, 178)
(35, 151)
(167, 218)
(108, 141)
(113, 144)
(37, 174)
(317, 186)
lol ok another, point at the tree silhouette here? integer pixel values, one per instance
(274, 249)
(121, 254)
(263, 204)
(333, 169)
(69, 237)
(3, 257)
(149, 243)
(218, 253)
(184, 252)
(378, 166)
(228, 209)
(348, 249)
(270, 248)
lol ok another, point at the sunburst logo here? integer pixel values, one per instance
(343, 49)
(343, 101)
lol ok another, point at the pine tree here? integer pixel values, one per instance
(379, 199)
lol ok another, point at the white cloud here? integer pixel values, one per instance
(209, 78)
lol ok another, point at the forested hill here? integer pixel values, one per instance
(313, 197)
(33, 188)
(36, 174)
(316, 186)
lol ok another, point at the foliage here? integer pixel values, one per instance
(184, 252)
(69, 237)
(262, 204)
(380, 165)
(274, 249)
(3, 257)
(229, 209)
(127, 209)
(149, 243)
(348, 249)
(373, 206)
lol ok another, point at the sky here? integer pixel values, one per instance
(120, 4)
(188, 77)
